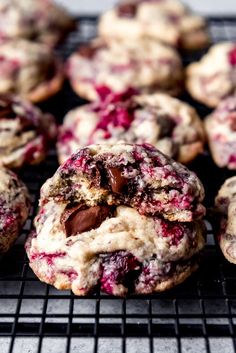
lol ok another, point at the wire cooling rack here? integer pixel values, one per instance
(197, 316)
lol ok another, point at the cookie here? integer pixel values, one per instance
(121, 216)
(29, 70)
(225, 204)
(167, 123)
(168, 21)
(25, 132)
(15, 203)
(221, 133)
(213, 78)
(43, 21)
(145, 65)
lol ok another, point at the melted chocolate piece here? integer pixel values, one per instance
(127, 10)
(81, 218)
(117, 181)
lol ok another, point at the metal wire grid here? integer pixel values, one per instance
(197, 316)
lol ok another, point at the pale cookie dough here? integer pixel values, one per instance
(213, 78)
(15, 203)
(30, 70)
(167, 123)
(144, 65)
(123, 217)
(225, 204)
(25, 132)
(221, 132)
(39, 20)
(168, 21)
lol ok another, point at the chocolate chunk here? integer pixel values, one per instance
(87, 51)
(127, 10)
(233, 121)
(81, 218)
(117, 181)
(166, 125)
(6, 111)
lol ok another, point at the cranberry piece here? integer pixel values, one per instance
(119, 268)
(232, 56)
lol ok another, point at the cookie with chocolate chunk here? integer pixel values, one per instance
(213, 78)
(221, 132)
(15, 204)
(121, 216)
(144, 65)
(168, 21)
(25, 132)
(38, 20)
(30, 70)
(225, 207)
(167, 123)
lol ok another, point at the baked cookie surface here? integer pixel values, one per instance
(144, 65)
(213, 78)
(168, 21)
(30, 70)
(25, 132)
(15, 203)
(167, 123)
(39, 20)
(225, 204)
(221, 132)
(121, 216)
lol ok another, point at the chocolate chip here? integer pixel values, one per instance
(81, 218)
(127, 10)
(117, 181)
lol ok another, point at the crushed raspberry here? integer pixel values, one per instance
(151, 273)
(48, 257)
(103, 92)
(66, 136)
(173, 230)
(71, 274)
(180, 201)
(7, 220)
(117, 117)
(232, 56)
(118, 268)
(106, 94)
(116, 109)
(232, 158)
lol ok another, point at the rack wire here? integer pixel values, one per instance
(197, 316)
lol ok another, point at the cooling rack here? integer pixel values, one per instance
(197, 316)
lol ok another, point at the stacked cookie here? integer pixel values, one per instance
(120, 216)
(119, 213)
